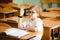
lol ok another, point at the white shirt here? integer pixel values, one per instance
(35, 23)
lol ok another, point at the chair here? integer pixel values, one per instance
(56, 32)
(58, 17)
(46, 2)
(46, 33)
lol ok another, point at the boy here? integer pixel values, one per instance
(33, 24)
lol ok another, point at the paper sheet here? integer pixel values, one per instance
(16, 32)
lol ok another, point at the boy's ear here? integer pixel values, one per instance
(37, 15)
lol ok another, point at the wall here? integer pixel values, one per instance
(17, 1)
(34, 2)
(31, 2)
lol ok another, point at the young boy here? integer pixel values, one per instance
(33, 24)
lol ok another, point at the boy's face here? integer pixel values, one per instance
(33, 14)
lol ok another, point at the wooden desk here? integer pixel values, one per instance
(30, 35)
(8, 4)
(52, 9)
(56, 1)
(5, 11)
(51, 23)
(45, 1)
(26, 37)
(50, 14)
(13, 21)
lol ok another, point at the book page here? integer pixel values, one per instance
(16, 32)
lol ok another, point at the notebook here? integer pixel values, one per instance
(16, 32)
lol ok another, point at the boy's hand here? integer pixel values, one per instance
(21, 11)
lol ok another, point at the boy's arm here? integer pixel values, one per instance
(33, 29)
(20, 26)
(37, 27)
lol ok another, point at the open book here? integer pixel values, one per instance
(16, 32)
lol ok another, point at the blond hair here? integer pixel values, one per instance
(36, 8)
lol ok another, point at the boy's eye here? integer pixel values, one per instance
(31, 12)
